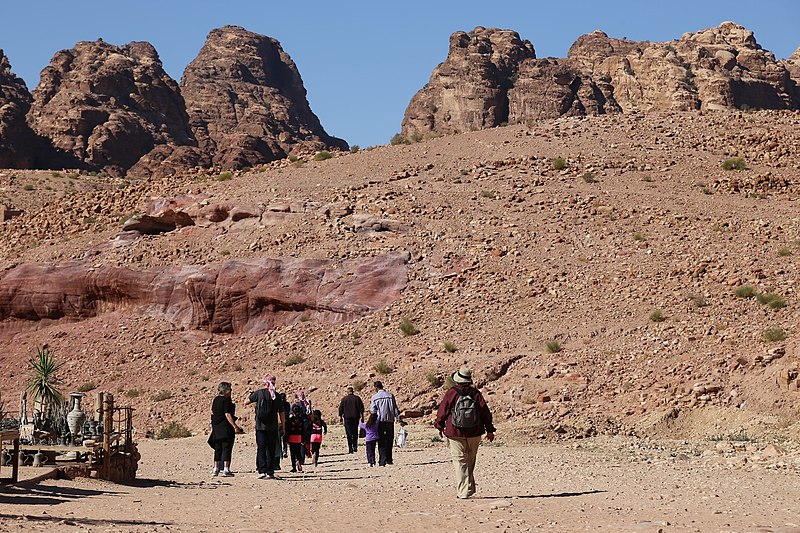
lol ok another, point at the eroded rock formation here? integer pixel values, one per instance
(491, 77)
(247, 102)
(16, 138)
(232, 297)
(108, 106)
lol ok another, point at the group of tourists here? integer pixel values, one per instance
(294, 430)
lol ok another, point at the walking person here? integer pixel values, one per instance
(297, 431)
(351, 412)
(269, 426)
(223, 429)
(370, 428)
(384, 405)
(318, 428)
(463, 417)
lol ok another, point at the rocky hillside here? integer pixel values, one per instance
(247, 102)
(609, 273)
(492, 77)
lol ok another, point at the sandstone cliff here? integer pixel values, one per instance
(16, 150)
(491, 77)
(247, 103)
(109, 105)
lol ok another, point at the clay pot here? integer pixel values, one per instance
(76, 417)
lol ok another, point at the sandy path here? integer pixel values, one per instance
(597, 485)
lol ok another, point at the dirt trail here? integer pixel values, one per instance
(591, 485)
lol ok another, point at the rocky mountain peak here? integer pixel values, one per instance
(16, 150)
(247, 102)
(107, 106)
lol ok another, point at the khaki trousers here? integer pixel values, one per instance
(464, 451)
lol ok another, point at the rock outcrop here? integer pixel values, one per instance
(247, 103)
(242, 297)
(107, 106)
(16, 138)
(491, 77)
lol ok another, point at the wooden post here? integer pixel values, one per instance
(97, 415)
(108, 427)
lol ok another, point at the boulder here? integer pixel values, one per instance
(240, 297)
(107, 106)
(247, 103)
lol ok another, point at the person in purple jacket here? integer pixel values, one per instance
(463, 417)
(370, 427)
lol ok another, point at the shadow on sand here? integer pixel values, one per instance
(556, 495)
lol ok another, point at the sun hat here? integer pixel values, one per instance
(463, 376)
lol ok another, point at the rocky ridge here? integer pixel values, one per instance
(484, 82)
(247, 103)
(17, 141)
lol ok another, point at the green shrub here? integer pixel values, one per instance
(305, 317)
(450, 346)
(774, 335)
(322, 155)
(698, 300)
(772, 300)
(174, 430)
(559, 163)
(225, 176)
(359, 385)
(734, 163)
(294, 360)
(488, 194)
(28, 187)
(433, 379)
(160, 396)
(588, 177)
(383, 368)
(86, 387)
(552, 346)
(638, 236)
(745, 291)
(784, 251)
(657, 316)
(408, 328)
(647, 178)
(293, 158)
(398, 138)
(133, 393)
(777, 303)
(354, 149)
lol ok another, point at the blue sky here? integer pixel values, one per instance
(362, 61)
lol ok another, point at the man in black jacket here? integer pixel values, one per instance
(269, 427)
(351, 412)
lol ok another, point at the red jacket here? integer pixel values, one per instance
(444, 421)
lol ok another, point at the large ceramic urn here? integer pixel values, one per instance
(76, 417)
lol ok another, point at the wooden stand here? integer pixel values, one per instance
(12, 435)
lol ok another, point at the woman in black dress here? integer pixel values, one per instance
(223, 429)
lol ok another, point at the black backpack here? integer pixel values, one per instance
(465, 412)
(264, 407)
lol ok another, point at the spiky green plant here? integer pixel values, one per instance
(43, 379)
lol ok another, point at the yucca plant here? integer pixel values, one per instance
(43, 379)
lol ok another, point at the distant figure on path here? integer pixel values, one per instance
(269, 426)
(318, 428)
(370, 428)
(297, 431)
(223, 429)
(463, 417)
(351, 412)
(384, 405)
(300, 398)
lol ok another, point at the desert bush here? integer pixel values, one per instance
(28, 187)
(322, 155)
(488, 194)
(294, 360)
(638, 236)
(657, 316)
(293, 158)
(698, 300)
(588, 177)
(745, 291)
(552, 346)
(359, 385)
(416, 137)
(398, 138)
(160, 396)
(559, 163)
(774, 335)
(647, 178)
(706, 190)
(86, 387)
(133, 393)
(433, 379)
(383, 368)
(305, 317)
(225, 176)
(734, 163)
(771, 300)
(784, 251)
(408, 328)
(354, 149)
(174, 430)
(450, 346)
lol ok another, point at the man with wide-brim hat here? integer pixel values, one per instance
(463, 417)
